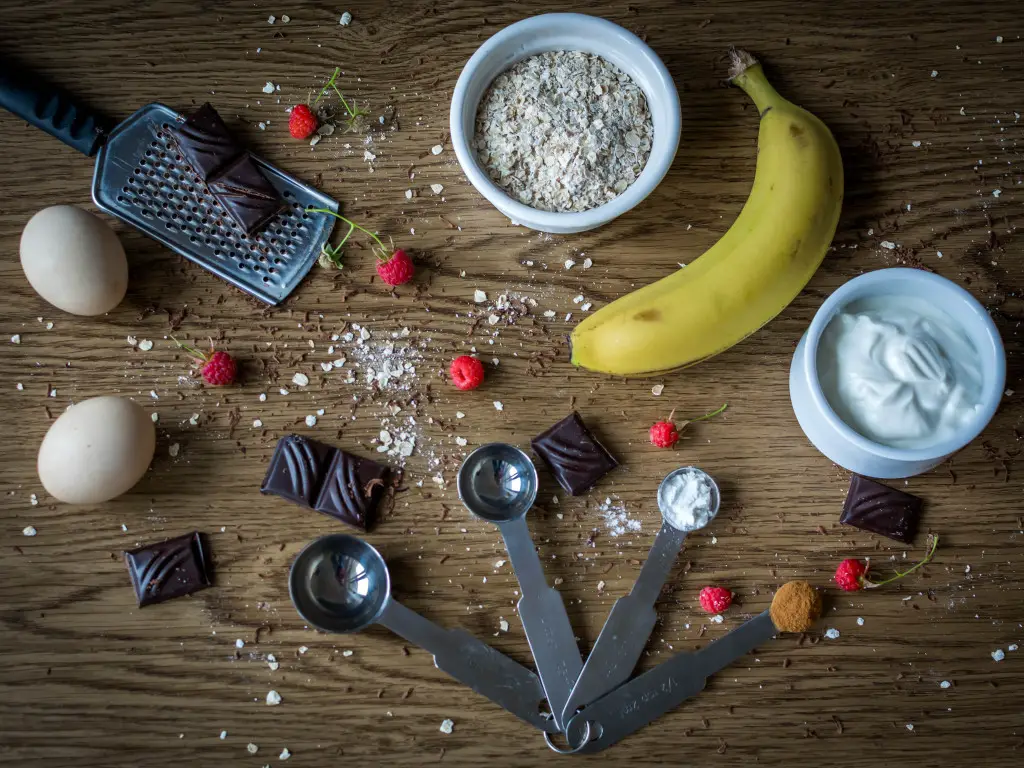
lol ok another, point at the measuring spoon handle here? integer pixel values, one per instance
(635, 704)
(473, 663)
(545, 620)
(628, 628)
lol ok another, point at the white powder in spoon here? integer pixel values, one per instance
(686, 499)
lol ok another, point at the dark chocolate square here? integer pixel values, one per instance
(246, 194)
(351, 489)
(297, 469)
(170, 569)
(575, 456)
(205, 142)
(877, 508)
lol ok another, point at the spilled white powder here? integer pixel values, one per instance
(686, 500)
(616, 520)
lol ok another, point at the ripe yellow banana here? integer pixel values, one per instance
(758, 266)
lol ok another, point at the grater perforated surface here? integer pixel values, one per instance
(141, 178)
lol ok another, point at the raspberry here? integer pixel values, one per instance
(396, 270)
(715, 599)
(220, 369)
(303, 123)
(850, 575)
(467, 372)
(664, 434)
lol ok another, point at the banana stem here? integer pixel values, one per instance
(746, 73)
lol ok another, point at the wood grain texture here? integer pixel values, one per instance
(87, 679)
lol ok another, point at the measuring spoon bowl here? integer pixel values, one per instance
(665, 500)
(498, 483)
(339, 583)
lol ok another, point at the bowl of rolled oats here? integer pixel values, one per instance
(565, 121)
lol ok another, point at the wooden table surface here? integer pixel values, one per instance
(924, 100)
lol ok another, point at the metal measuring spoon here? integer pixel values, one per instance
(498, 483)
(630, 707)
(632, 618)
(339, 583)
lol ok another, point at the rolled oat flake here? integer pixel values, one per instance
(563, 131)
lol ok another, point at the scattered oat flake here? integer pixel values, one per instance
(300, 379)
(996, 192)
(998, 655)
(479, 296)
(860, 621)
(460, 415)
(408, 194)
(283, 391)
(155, 417)
(239, 643)
(588, 263)
(569, 264)
(271, 19)
(437, 149)
(16, 338)
(657, 389)
(346, 19)
(447, 725)
(285, 754)
(831, 633)
(935, 73)
(21, 387)
(368, 155)
(498, 405)
(285, 19)
(145, 345)
(303, 648)
(311, 420)
(437, 188)
(173, 449)
(502, 624)
(273, 699)
(33, 500)
(549, 313)
(29, 530)
(586, 306)
(889, 245)
(269, 87)
(461, 441)
(945, 684)
(251, 748)
(910, 726)
(223, 735)
(915, 144)
(346, 654)
(717, 618)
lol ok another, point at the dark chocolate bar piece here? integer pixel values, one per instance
(327, 479)
(205, 142)
(351, 489)
(297, 469)
(170, 569)
(877, 508)
(575, 456)
(246, 194)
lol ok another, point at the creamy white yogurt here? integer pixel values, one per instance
(899, 371)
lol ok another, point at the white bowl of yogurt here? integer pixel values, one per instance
(898, 370)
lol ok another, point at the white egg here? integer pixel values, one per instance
(74, 260)
(96, 450)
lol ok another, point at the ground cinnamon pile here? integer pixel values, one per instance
(795, 607)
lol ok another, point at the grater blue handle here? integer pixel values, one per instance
(50, 108)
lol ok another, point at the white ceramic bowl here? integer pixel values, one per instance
(567, 32)
(849, 448)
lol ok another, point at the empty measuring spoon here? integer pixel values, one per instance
(635, 704)
(498, 483)
(339, 583)
(688, 499)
